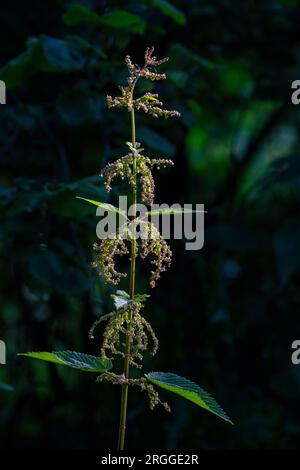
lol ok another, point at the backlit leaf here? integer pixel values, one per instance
(107, 207)
(187, 389)
(73, 359)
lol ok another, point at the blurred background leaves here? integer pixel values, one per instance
(226, 315)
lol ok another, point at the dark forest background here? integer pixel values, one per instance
(225, 315)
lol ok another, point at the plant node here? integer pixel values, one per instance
(141, 382)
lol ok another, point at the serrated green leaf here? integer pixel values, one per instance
(187, 389)
(170, 10)
(107, 207)
(73, 359)
(141, 297)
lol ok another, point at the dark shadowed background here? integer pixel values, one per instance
(225, 315)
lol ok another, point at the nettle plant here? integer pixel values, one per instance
(128, 333)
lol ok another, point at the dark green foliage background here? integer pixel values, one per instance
(226, 315)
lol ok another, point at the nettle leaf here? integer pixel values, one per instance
(107, 207)
(120, 19)
(73, 359)
(141, 297)
(187, 389)
(78, 14)
(170, 10)
(120, 298)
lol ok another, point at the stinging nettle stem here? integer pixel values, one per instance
(124, 397)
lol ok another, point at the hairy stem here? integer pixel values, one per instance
(124, 398)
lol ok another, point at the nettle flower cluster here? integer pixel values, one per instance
(126, 324)
(151, 243)
(149, 102)
(123, 168)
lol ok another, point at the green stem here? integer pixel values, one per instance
(124, 397)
